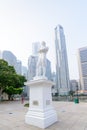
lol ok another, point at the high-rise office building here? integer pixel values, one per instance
(62, 72)
(48, 69)
(32, 67)
(9, 57)
(24, 72)
(35, 48)
(12, 60)
(74, 85)
(18, 67)
(82, 62)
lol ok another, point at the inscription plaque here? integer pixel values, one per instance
(35, 103)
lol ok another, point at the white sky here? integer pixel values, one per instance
(25, 21)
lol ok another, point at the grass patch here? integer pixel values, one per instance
(26, 105)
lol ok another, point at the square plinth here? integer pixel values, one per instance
(41, 112)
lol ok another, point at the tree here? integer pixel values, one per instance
(9, 79)
(71, 93)
(10, 91)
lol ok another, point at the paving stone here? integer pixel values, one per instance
(71, 116)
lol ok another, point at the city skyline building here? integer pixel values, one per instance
(24, 72)
(32, 60)
(48, 69)
(12, 61)
(74, 85)
(9, 57)
(82, 64)
(62, 72)
(35, 48)
(18, 67)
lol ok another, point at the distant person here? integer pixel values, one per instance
(22, 99)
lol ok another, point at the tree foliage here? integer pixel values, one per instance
(11, 91)
(9, 79)
(71, 93)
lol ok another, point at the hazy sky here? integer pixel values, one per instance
(25, 21)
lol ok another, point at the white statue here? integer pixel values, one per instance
(41, 64)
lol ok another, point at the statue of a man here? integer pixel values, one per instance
(41, 64)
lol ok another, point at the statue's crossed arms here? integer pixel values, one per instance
(41, 64)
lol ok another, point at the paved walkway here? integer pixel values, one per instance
(71, 116)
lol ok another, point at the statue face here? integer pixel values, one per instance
(43, 43)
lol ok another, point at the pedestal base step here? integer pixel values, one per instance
(40, 119)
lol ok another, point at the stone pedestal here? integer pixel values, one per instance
(41, 112)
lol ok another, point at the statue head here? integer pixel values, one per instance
(43, 43)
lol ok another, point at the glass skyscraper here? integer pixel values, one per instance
(62, 72)
(35, 48)
(82, 60)
(12, 60)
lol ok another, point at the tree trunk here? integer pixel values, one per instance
(9, 97)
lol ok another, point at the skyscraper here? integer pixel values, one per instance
(82, 62)
(32, 60)
(12, 60)
(24, 72)
(62, 72)
(35, 48)
(18, 67)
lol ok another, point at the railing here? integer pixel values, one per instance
(82, 98)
